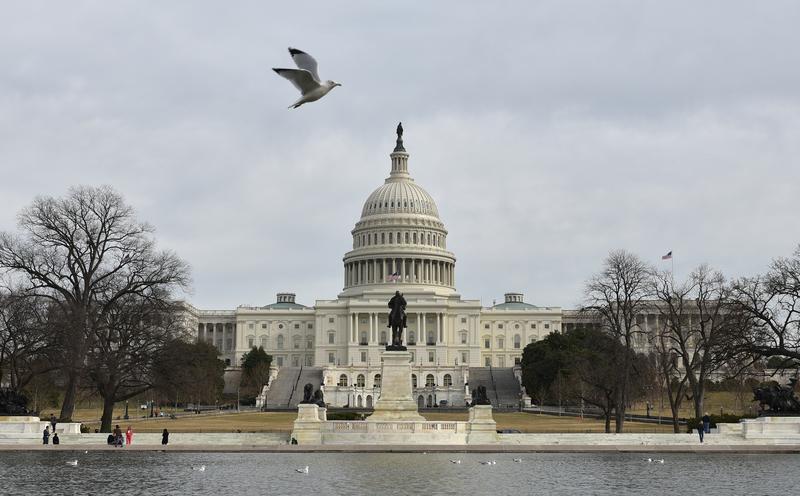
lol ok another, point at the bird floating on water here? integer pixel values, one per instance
(305, 78)
(74, 463)
(201, 468)
(517, 460)
(489, 462)
(455, 461)
(303, 470)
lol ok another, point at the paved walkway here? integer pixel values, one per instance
(715, 448)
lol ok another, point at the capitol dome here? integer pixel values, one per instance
(399, 238)
(400, 196)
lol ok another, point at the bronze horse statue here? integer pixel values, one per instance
(397, 321)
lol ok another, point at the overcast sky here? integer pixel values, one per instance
(547, 132)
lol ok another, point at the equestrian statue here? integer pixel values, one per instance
(397, 321)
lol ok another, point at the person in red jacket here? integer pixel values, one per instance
(129, 436)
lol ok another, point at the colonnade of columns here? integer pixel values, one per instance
(408, 270)
(375, 326)
(221, 335)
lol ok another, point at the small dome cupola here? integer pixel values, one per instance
(286, 298)
(514, 298)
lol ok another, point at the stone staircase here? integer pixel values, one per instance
(286, 390)
(502, 387)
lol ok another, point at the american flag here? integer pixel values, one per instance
(668, 256)
(393, 277)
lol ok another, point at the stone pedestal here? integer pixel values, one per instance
(482, 427)
(396, 401)
(307, 425)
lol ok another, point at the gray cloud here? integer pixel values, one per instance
(548, 132)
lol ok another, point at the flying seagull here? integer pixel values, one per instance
(305, 78)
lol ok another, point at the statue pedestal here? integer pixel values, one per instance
(396, 401)
(308, 426)
(482, 427)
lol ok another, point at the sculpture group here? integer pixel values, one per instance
(779, 399)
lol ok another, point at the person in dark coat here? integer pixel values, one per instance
(55, 438)
(53, 422)
(706, 423)
(700, 432)
(165, 437)
(46, 435)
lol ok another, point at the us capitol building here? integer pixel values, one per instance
(399, 243)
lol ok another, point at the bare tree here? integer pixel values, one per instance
(772, 304)
(24, 345)
(120, 363)
(83, 253)
(615, 297)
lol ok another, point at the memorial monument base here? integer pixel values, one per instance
(396, 402)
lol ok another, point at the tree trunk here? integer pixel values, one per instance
(70, 395)
(108, 413)
(608, 421)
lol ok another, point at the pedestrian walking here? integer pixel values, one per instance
(117, 436)
(164, 437)
(46, 435)
(700, 432)
(53, 422)
(129, 436)
(55, 438)
(707, 423)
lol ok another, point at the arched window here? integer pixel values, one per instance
(429, 381)
(360, 401)
(447, 380)
(413, 380)
(517, 341)
(383, 238)
(376, 381)
(412, 337)
(415, 238)
(360, 380)
(429, 238)
(406, 238)
(263, 340)
(343, 380)
(391, 238)
(280, 341)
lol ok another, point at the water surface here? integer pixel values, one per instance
(157, 473)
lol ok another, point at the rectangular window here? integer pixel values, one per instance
(297, 326)
(330, 320)
(485, 326)
(363, 356)
(487, 361)
(463, 339)
(310, 326)
(250, 342)
(263, 326)
(499, 326)
(533, 326)
(463, 320)
(413, 357)
(517, 361)
(331, 358)
(331, 338)
(463, 357)
(250, 325)
(547, 326)
(279, 360)
(431, 356)
(487, 343)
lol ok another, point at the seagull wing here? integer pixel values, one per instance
(300, 78)
(304, 61)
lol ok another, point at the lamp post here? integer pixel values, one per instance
(126, 410)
